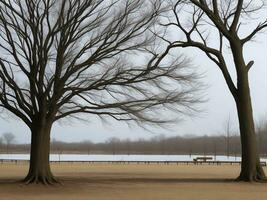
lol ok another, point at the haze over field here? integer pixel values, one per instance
(216, 110)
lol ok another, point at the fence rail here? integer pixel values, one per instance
(139, 162)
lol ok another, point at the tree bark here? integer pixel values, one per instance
(251, 169)
(39, 170)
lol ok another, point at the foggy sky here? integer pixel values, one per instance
(210, 121)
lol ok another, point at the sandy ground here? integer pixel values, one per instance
(131, 182)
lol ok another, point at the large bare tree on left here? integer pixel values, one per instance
(62, 58)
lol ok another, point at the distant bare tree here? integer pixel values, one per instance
(220, 29)
(8, 138)
(1, 143)
(69, 58)
(88, 144)
(112, 142)
(262, 133)
(227, 129)
(128, 145)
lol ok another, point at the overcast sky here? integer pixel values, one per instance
(211, 121)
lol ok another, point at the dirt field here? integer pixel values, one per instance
(131, 182)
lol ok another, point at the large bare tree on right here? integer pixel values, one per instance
(221, 29)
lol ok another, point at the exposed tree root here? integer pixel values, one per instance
(256, 175)
(34, 178)
(252, 177)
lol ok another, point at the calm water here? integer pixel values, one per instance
(80, 157)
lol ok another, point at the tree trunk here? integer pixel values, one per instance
(251, 169)
(39, 171)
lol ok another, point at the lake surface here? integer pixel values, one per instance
(92, 157)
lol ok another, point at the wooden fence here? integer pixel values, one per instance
(140, 162)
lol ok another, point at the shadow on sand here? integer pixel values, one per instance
(145, 180)
(126, 180)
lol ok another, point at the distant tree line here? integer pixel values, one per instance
(206, 145)
(223, 144)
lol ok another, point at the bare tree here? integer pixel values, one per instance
(220, 29)
(227, 130)
(1, 143)
(8, 138)
(261, 128)
(112, 143)
(69, 58)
